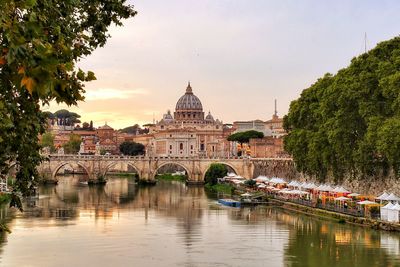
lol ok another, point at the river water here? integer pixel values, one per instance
(170, 224)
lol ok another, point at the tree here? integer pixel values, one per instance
(216, 170)
(131, 148)
(38, 53)
(348, 123)
(73, 145)
(244, 137)
(47, 140)
(85, 126)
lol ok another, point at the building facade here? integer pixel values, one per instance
(187, 132)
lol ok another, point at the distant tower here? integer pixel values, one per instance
(275, 116)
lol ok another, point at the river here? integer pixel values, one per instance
(170, 224)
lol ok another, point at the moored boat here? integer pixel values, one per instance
(229, 202)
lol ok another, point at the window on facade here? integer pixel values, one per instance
(191, 146)
(162, 126)
(202, 147)
(170, 146)
(213, 148)
(181, 146)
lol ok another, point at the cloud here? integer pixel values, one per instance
(112, 93)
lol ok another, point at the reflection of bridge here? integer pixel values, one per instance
(146, 167)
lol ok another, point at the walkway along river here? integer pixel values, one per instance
(170, 224)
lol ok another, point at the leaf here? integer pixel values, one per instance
(21, 70)
(29, 83)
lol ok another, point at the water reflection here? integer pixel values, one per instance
(171, 224)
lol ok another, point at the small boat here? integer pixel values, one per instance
(229, 202)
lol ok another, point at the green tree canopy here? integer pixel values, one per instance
(349, 122)
(73, 145)
(216, 170)
(244, 137)
(131, 148)
(47, 140)
(40, 44)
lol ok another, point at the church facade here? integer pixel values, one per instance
(187, 132)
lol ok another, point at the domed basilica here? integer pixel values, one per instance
(188, 132)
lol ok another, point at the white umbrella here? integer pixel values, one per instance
(342, 198)
(366, 202)
(353, 195)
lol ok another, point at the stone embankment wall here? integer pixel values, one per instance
(364, 185)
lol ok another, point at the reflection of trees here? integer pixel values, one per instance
(323, 243)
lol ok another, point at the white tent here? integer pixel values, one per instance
(353, 195)
(262, 179)
(276, 180)
(340, 189)
(393, 213)
(383, 196)
(384, 211)
(393, 197)
(310, 186)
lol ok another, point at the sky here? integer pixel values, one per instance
(239, 55)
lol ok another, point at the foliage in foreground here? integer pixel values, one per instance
(349, 123)
(216, 170)
(40, 43)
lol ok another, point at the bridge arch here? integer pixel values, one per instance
(189, 174)
(72, 164)
(131, 164)
(230, 166)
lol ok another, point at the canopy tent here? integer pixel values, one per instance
(294, 184)
(393, 213)
(324, 188)
(340, 189)
(383, 196)
(310, 186)
(276, 180)
(385, 210)
(392, 197)
(353, 195)
(262, 179)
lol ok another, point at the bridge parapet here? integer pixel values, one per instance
(147, 167)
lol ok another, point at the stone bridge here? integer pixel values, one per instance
(146, 167)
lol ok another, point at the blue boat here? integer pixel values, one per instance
(229, 202)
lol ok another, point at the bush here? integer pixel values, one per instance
(216, 170)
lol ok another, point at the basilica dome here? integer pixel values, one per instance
(189, 101)
(189, 107)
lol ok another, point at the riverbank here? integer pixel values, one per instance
(170, 177)
(221, 188)
(339, 217)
